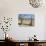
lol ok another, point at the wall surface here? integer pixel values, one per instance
(11, 8)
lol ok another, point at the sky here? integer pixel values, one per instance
(26, 15)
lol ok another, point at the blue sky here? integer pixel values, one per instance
(26, 15)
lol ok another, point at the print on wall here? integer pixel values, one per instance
(26, 19)
(35, 3)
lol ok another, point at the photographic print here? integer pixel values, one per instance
(26, 19)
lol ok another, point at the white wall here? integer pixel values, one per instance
(12, 8)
